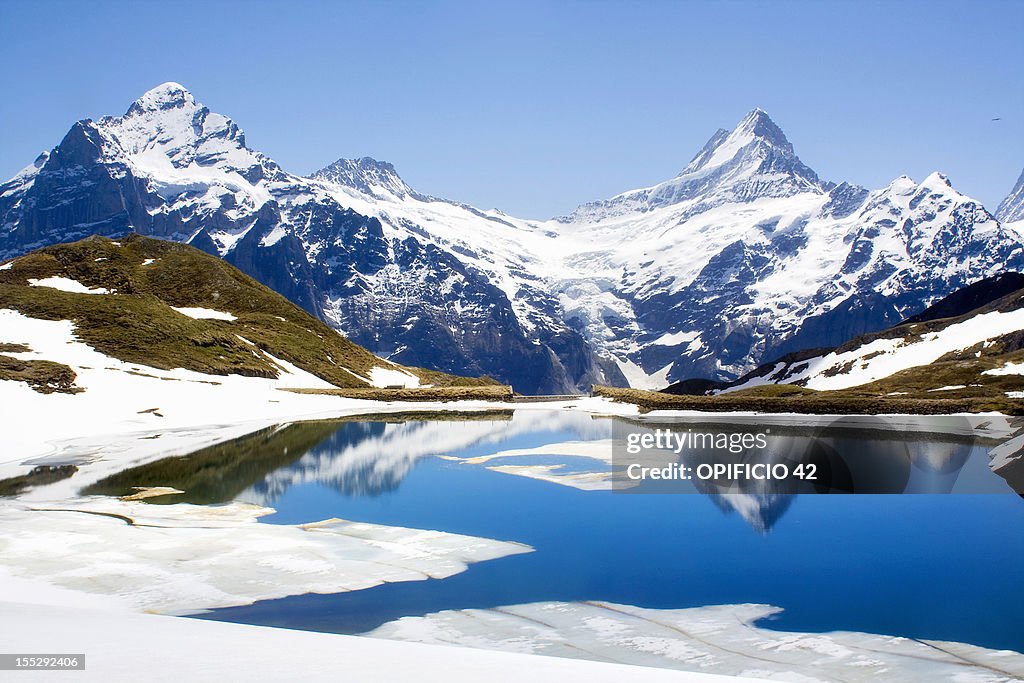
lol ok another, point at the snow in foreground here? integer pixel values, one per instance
(124, 397)
(720, 639)
(121, 398)
(125, 647)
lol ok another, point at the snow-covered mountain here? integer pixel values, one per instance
(747, 255)
(356, 247)
(744, 256)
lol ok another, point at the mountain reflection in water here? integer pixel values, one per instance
(370, 456)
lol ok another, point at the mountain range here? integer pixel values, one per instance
(745, 256)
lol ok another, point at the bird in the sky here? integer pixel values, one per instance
(998, 118)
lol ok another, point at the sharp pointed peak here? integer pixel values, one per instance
(759, 124)
(756, 127)
(757, 114)
(1011, 209)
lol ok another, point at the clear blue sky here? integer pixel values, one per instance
(536, 107)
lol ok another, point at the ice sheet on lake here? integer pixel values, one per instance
(720, 639)
(182, 558)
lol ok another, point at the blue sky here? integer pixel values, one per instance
(536, 107)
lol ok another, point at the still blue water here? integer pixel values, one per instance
(947, 567)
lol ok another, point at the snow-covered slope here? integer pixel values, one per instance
(744, 256)
(169, 649)
(975, 353)
(1011, 209)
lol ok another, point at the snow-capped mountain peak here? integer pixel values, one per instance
(369, 176)
(937, 181)
(756, 128)
(753, 161)
(165, 96)
(168, 122)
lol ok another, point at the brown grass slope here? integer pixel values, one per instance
(136, 324)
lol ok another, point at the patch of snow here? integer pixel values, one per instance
(639, 379)
(274, 236)
(1008, 369)
(66, 284)
(205, 314)
(293, 377)
(675, 338)
(951, 387)
(7, 266)
(1015, 394)
(149, 262)
(390, 377)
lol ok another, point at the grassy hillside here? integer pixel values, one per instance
(136, 323)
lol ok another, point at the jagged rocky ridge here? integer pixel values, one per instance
(745, 256)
